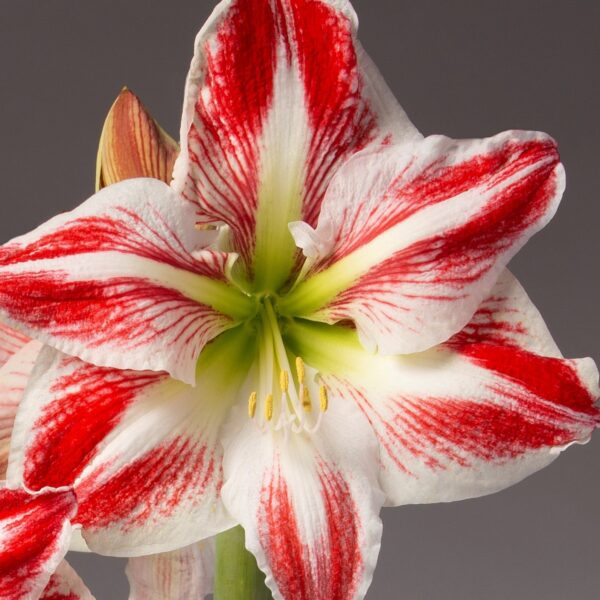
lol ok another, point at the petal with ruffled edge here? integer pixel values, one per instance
(65, 584)
(182, 574)
(469, 417)
(278, 96)
(309, 505)
(34, 537)
(141, 450)
(114, 281)
(132, 144)
(422, 232)
(14, 376)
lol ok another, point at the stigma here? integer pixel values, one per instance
(293, 406)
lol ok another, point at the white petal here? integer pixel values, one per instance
(14, 376)
(114, 281)
(141, 450)
(184, 574)
(309, 506)
(65, 584)
(422, 232)
(477, 414)
(278, 97)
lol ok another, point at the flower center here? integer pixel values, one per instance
(286, 399)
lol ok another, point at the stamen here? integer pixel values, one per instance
(306, 403)
(252, 405)
(205, 227)
(300, 370)
(323, 398)
(284, 381)
(269, 407)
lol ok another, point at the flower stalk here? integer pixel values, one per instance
(237, 576)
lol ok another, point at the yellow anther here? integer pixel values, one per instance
(300, 369)
(284, 381)
(323, 398)
(306, 403)
(252, 405)
(205, 227)
(269, 407)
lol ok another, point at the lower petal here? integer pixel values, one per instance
(182, 574)
(141, 450)
(34, 536)
(309, 505)
(472, 416)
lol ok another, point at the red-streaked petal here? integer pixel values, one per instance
(422, 232)
(14, 376)
(277, 98)
(140, 449)
(11, 341)
(114, 281)
(474, 415)
(65, 584)
(34, 537)
(184, 574)
(309, 505)
(507, 317)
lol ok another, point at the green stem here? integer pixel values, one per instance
(237, 576)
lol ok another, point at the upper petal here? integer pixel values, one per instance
(183, 574)
(472, 416)
(132, 144)
(114, 281)
(309, 505)
(422, 232)
(278, 96)
(141, 450)
(65, 584)
(34, 537)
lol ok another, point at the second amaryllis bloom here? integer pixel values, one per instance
(314, 319)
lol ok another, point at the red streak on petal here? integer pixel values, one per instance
(88, 404)
(52, 591)
(229, 117)
(31, 529)
(341, 119)
(151, 487)
(326, 568)
(121, 312)
(11, 341)
(462, 255)
(550, 378)
(484, 430)
(526, 198)
(130, 235)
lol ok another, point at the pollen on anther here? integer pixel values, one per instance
(269, 407)
(284, 381)
(300, 369)
(252, 405)
(306, 403)
(323, 398)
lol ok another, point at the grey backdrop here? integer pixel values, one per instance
(460, 67)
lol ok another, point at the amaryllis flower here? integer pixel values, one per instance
(313, 320)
